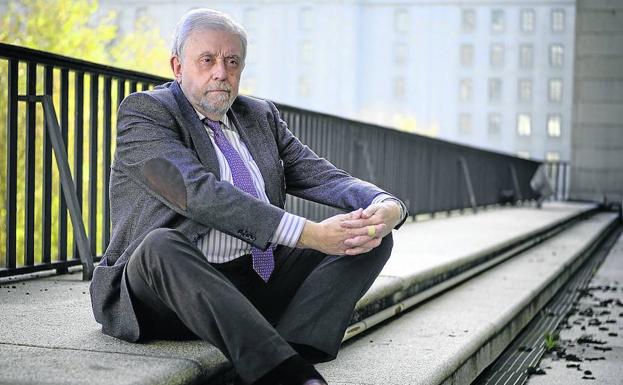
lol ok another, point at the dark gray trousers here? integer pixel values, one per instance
(306, 305)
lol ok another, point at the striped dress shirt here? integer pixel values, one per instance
(219, 247)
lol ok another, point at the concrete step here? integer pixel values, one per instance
(600, 362)
(450, 339)
(50, 318)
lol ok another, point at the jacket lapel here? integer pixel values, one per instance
(195, 127)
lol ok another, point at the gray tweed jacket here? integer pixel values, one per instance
(165, 174)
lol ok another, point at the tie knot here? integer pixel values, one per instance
(213, 124)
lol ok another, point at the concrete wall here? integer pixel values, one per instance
(597, 138)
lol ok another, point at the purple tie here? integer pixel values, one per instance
(263, 261)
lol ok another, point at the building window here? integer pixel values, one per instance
(555, 90)
(524, 89)
(400, 54)
(552, 156)
(399, 87)
(495, 90)
(401, 20)
(468, 20)
(306, 52)
(306, 21)
(527, 20)
(556, 55)
(465, 90)
(558, 20)
(497, 55)
(524, 125)
(497, 20)
(465, 123)
(467, 55)
(523, 154)
(495, 124)
(526, 56)
(303, 86)
(554, 126)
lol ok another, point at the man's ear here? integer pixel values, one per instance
(176, 67)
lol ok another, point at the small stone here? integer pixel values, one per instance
(27, 293)
(611, 321)
(613, 334)
(535, 370)
(591, 322)
(588, 339)
(603, 349)
(588, 378)
(573, 358)
(603, 328)
(588, 372)
(595, 358)
(576, 366)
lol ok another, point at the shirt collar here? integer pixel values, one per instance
(226, 123)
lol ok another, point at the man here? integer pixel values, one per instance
(201, 245)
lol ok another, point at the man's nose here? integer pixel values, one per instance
(219, 72)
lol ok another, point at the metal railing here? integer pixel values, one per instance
(429, 175)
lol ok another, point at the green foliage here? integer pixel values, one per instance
(551, 341)
(75, 29)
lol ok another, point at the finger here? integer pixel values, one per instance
(360, 223)
(362, 241)
(370, 210)
(363, 248)
(357, 241)
(355, 214)
(372, 231)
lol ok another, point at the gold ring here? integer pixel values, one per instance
(371, 231)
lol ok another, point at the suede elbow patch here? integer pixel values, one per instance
(165, 179)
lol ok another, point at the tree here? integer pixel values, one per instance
(75, 29)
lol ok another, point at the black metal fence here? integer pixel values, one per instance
(429, 175)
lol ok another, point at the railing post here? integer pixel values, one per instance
(468, 182)
(69, 189)
(518, 195)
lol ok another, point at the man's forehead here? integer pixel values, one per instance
(215, 39)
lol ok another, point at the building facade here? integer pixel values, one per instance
(495, 74)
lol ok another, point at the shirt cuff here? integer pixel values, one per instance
(289, 230)
(384, 197)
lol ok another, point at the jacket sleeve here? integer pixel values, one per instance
(311, 177)
(151, 152)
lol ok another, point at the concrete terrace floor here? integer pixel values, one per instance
(48, 333)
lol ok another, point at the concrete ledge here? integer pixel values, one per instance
(452, 338)
(52, 316)
(402, 279)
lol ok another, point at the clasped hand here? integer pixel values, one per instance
(354, 233)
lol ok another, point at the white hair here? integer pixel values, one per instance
(206, 19)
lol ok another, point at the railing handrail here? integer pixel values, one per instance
(10, 51)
